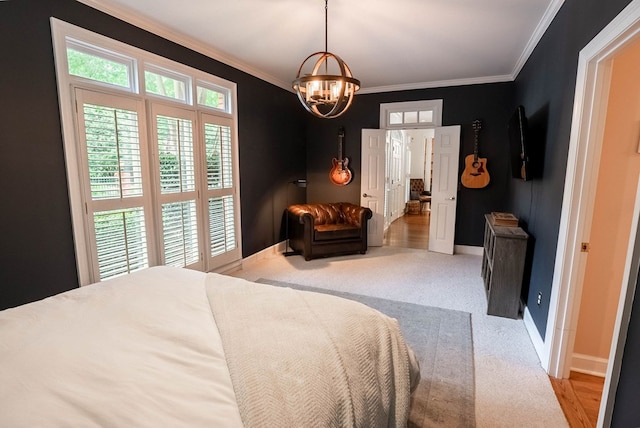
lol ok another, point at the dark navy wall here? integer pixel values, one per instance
(626, 412)
(37, 256)
(492, 103)
(546, 88)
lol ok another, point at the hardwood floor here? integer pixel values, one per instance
(409, 231)
(579, 396)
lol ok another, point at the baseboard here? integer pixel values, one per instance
(269, 252)
(467, 249)
(536, 339)
(229, 267)
(588, 364)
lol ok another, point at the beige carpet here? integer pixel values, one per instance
(512, 389)
(441, 340)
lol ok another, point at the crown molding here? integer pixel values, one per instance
(154, 27)
(437, 84)
(541, 28)
(134, 18)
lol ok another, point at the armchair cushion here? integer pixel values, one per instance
(336, 231)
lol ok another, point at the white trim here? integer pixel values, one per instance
(577, 207)
(589, 364)
(127, 15)
(437, 84)
(541, 28)
(273, 251)
(534, 335)
(229, 267)
(468, 249)
(423, 105)
(70, 153)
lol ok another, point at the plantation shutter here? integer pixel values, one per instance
(112, 158)
(220, 192)
(176, 167)
(143, 188)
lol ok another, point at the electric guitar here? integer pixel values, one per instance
(340, 174)
(475, 174)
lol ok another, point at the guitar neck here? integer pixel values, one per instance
(477, 125)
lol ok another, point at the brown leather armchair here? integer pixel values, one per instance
(328, 229)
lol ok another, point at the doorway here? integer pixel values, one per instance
(587, 142)
(376, 186)
(409, 174)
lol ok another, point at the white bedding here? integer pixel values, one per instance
(139, 350)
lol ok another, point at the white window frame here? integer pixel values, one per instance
(89, 49)
(386, 109)
(62, 33)
(161, 71)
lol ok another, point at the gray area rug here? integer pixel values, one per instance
(442, 341)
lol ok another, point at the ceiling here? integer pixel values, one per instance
(388, 44)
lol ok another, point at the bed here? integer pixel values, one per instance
(174, 347)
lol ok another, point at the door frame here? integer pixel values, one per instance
(585, 143)
(434, 106)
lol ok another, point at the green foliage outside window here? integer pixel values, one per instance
(169, 172)
(97, 68)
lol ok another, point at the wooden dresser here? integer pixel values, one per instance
(503, 259)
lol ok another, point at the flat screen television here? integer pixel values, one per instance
(519, 145)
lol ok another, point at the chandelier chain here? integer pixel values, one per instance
(326, 25)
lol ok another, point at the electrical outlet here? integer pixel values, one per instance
(539, 298)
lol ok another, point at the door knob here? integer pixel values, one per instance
(364, 195)
(453, 198)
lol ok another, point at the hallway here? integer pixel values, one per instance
(409, 231)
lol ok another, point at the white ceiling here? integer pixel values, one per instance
(388, 44)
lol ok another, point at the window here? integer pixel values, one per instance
(152, 168)
(220, 185)
(412, 114)
(212, 96)
(165, 83)
(101, 66)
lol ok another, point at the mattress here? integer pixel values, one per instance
(168, 347)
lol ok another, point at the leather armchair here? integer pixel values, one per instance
(328, 229)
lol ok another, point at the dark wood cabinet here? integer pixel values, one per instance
(503, 259)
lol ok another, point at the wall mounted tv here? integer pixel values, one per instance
(519, 145)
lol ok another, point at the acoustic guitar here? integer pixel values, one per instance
(340, 174)
(475, 174)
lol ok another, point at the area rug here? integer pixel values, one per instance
(442, 341)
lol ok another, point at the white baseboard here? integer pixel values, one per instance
(267, 253)
(467, 249)
(536, 339)
(588, 364)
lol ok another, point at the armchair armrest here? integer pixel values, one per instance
(301, 213)
(356, 214)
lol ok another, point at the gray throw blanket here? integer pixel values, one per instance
(302, 359)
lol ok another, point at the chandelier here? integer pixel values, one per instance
(330, 94)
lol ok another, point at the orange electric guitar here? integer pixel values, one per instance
(340, 174)
(475, 174)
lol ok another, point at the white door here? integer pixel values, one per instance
(372, 182)
(446, 149)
